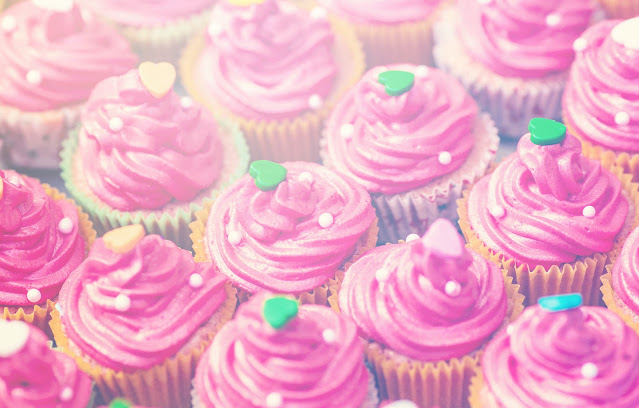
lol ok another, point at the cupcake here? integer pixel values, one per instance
(549, 215)
(512, 56)
(391, 31)
(144, 155)
(275, 353)
(156, 29)
(122, 403)
(286, 228)
(140, 311)
(412, 137)
(276, 69)
(43, 238)
(601, 102)
(621, 8)
(32, 375)
(52, 56)
(560, 354)
(425, 310)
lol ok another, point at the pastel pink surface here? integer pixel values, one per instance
(382, 11)
(625, 273)
(144, 13)
(249, 360)
(70, 50)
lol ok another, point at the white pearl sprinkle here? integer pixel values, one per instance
(34, 77)
(34, 295)
(65, 225)
(315, 102)
(122, 303)
(382, 275)
(234, 237)
(510, 329)
(9, 23)
(622, 118)
(196, 281)
(186, 102)
(589, 211)
(325, 220)
(445, 158)
(452, 288)
(116, 124)
(421, 71)
(395, 126)
(215, 29)
(553, 19)
(412, 237)
(66, 395)
(274, 400)
(347, 130)
(319, 13)
(329, 336)
(580, 44)
(305, 176)
(589, 370)
(497, 211)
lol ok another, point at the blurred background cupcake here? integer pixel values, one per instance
(621, 8)
(512, 56)
(275, 68)
(52, 56)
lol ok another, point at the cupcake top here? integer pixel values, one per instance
(562, 355)
(144, 13)
(137, 300)
(382, 11)
(52, 55)
(546, 204)
(268, 60)
(276, 354)
(601, 101)
(32, 375)
(429, 299)
(141, 145)
(40, 241)
(401, 127)
(625, 272)
(287, 228)
(524, 38)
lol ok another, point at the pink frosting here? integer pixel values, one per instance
(396, 295)
(249, 360)
(539, 365)
(604, 82)
(34, 253)
(163, 151)
(283, 248)
(524, 38)
(396, 140)
(165, 310)
(625, 273)
(265, 61)
(543, 191)
(383, 11)
(70, 52)
(143, 13)
(35, 376)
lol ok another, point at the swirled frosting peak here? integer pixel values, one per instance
(315, 361)
(429, 299)
(625, 272)
(269, 60)
(36, 254)
(52, 58)
(140, 152)
(525, 38)
(391, 144)
(32, 375)
(291, 239)
(584, 357)
(601, 101)
(132, 310)
(548, 205)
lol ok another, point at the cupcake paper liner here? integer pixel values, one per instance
(615, 304)
(34, 139)
(582, 276)
(39, 315)
(621, 8)
(171, 221)
(510, 101)
(166, 385)
(319, 295)
(476, 390)
(287, 139)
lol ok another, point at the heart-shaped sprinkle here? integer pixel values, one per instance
(396, 82)
(267, 174)
(559, 303)
(158, 79)
(244, 3)
(545, 132)
(626, 33)
(15, 334)
(120, 403)
(443, 239)
(279, 310)
(124, 239)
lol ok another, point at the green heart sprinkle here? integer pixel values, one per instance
(396, 82)
(545, 132)
(278, 311)
(267, 174)
(120, 403)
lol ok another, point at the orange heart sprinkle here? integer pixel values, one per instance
(124, 239)
(158, 79)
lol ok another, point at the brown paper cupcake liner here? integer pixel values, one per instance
(582, 276)
(475, 389)
(166, 385)
(319, 295)
(621, 8)
(300, 135)
(615, 304)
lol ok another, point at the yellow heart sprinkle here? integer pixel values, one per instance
(124, 239)
(158, 79)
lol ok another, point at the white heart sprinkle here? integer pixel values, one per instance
(626, 33)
